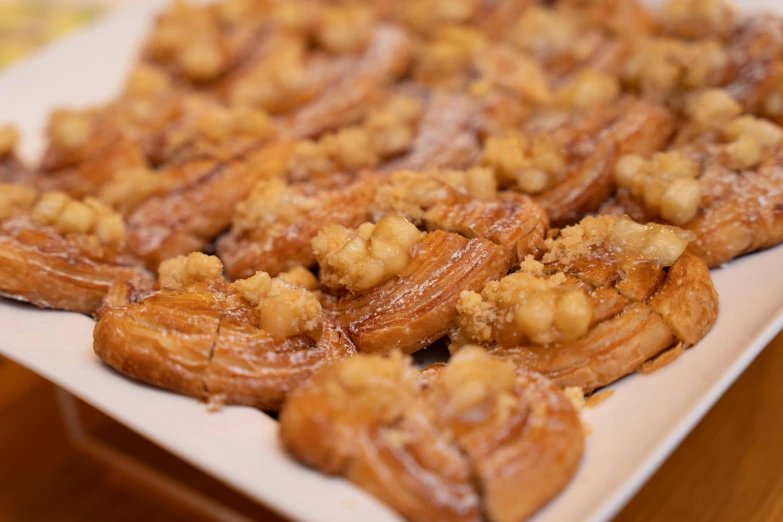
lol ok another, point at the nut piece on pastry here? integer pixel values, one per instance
(627, 292)
(58, 252)
(717, 182)
(699, 18)
(363, 258)
(525, 306)
(666, 183)
(445, 453)
(250, 342)
(566, 159)
(415, 307)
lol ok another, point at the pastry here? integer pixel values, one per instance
(272, 228)
(56, 252)
(607, 296)
(719, 181)
(249, 342)
(565, 158)
(394, 287)
(483, 441)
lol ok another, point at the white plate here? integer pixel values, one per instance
(633, 432)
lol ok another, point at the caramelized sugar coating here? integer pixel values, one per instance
(482, 436)
(566, 159)
(465, 202)
(416, 306)
(250, 342)
(199, 202)
(608, 295)
(719, 181)
(273, 227)
(58, 252)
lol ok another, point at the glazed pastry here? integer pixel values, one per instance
(394, 287)
(56, 252)
(483, 442)
(273, 227)
(249, 342)
(565, 158)
(607, 296)
(719, 181)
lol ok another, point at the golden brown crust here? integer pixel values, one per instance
(204, 341)
(628, 127)
(414, 309)
(509, 444)
(639, 308)
(44, 268)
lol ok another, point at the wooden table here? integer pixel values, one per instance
(729, 469)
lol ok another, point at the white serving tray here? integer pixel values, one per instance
(633, 432)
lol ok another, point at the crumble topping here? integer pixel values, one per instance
(451, 53)
(472, 379)
(128, 188)
(373, 387)
(189, 37)
(344, 28)
(275, 79)
(712, 108)
(660, 244)
(749, 138)
(694, 18)
(180, 271)
(666, 183)
(510, 70)
(589, 90)
(300, 276)
(524, 305)
(285, 309)
(660, 66)
(14, 199)
(146, 81)
(529, 163)
(9, 137)
(69, 129)
(411, 193)
(359, 259)
(542, 31)
(68, 216)
(271, 201)
(384, 133)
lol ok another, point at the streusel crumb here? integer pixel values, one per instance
(523, 306)
(359, 259)
(666, 183)
(589, 90)
(285, 310)
(14, 199)
(749, 138)
(180, 271)
(410, 193)
(530, 164)
(344, 28)
(69, 129)
(712, 108)
(660, 244)
(474, 379)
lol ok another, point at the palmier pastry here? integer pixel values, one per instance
(565, 158)
(56, 252)
(391, 286)
(272, 228)
(719, 181)
(483, 441)
(607, 296)
(249, 342)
